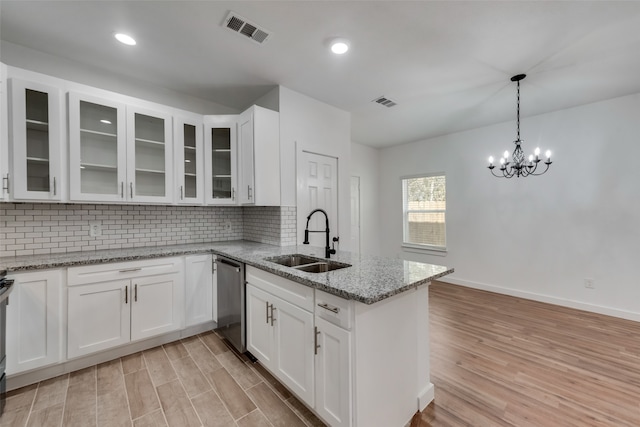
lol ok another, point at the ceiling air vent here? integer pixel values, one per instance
(385, 101)
(240, 25)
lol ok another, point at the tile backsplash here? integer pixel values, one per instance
(274, 225)
(41, 228)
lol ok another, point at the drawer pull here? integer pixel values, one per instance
(329, 307)
(128, 270)
(126, 294)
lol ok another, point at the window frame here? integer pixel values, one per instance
(421, 247)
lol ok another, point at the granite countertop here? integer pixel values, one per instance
(369, 279)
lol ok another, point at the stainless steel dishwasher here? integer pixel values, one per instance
(231, 314)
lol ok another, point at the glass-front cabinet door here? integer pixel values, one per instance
(35, 141)
(189, 162)
(97, 149)
(149, 147)
(220, 160)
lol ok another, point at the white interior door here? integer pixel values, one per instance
(317, 189)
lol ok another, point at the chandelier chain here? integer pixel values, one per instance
(518, 110)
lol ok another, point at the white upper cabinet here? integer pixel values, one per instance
(35, 133)
(4, 134)
(220, 143)
(149, 152)
(118, 153)
(259, 157)
(189, 160)
(97, 149)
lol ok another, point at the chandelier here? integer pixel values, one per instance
(518, 166)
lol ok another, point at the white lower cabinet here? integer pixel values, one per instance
(293, 330)
(34, 320)
(333, 373)
(334, 354)
(260, 341)
(128, 302)
(199, 284)
(280, 334)
(99, 317)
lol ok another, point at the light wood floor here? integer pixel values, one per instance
(192, 382)
(503, 361)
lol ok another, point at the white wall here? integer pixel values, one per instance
(365, 164)
(308, 124)
(537, 237)
(62, 68)
(270, 100)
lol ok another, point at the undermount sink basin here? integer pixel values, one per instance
(306, 263)
(321, 267)
(292, 260)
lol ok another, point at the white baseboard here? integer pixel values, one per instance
(426, 397)
(608, 311)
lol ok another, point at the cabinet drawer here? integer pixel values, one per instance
(96, 273)
(334, 309)
(295, 293)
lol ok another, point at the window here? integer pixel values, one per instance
(424, 207)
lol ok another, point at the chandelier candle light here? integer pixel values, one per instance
(518, 166)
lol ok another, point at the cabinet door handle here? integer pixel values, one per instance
(233, 194)
(249, 192)
(316, 346)
(329, 307)
(273, 319)
(5, 183)
(131, 189)
(135, 292)
(122, 189)
(267, 311)
(54, 186)
(181, 198)
(126, 294)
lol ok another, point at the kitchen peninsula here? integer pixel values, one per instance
(360, 358)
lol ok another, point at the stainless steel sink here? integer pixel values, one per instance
(293, 260)
(306, 263)
(321, 267)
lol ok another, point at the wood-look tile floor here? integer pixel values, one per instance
(196, 381)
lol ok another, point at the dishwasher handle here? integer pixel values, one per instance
(229, 264)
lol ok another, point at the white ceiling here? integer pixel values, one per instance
(447, 64)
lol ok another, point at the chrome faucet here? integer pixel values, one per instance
(327, 250)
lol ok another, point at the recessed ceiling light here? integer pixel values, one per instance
(339, 46)
(126, 39)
